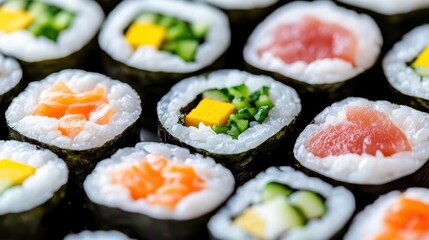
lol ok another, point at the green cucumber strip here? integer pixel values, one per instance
(169, 46)
(264, 100)
(63, 20)
(287, 215)
(167, 21)
(44, 29)
(240, 91)
(15, 5)
(4, 185)
(179, 31)
(242, 124)
(200, 29)
(215, 94)
(422, 71)
(147, 18)
(186, 49)
(309, 203)
(262, 114)
(274, 189)
(240, 103)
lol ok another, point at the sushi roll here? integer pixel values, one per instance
(237, 118)
(372, 147)
(406, 67)
(396, 215)
(320, 49)
(157, 191)
(47, 36)
(282, 203)
(97, 235)
(152, 45)
(81, 116)
(394, 17)
(10, 85)
(32, 183)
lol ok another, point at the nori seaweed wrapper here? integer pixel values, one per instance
(150, 86)
(31, 224)
(412, 101)
(108, 5)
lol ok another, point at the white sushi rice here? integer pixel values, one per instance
(97, 235)
(286, 108)
(369, 223)
(50, 176)
(366, 168)
(10, 74)
(339, 201)
(389, 7)
(23, 45)
(321, 71)
(113, 42)
(121, 97)
(240, 4)
(219, 182)
(395, 64)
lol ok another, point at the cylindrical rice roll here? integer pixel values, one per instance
(184, 39)
(157, 191)
(395, 18)
(50, 35)
(10, 85)
(186, 119)
(282, 203)
(81, 116)
(97, 235)
(395, 215)
(371, 147)
(320, 49)
(407, 69)
(32, 182)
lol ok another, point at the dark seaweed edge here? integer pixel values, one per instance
(412, 101)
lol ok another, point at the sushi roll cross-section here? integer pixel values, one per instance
(157, 191)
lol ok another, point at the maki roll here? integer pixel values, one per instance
(394, 17)
(32, 184)
(406, 67)
(97, 235)
(157, 191)
(396, 215)
(237, 118)
(282, 203)
(81, 116)
(48, 35)
(371, 147)
(10, 85)
(317, 47)
(152, 45)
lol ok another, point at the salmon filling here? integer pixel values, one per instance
(365, 131)
(159, 181)
(72, 109)
(310, 40)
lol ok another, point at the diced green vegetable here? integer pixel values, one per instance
(233, 131)
(309, 203)
(218, 129)
(216, 95)
(264, 100)
(169, 46)
(38, 9)
(186, 49)
(148, 17)
(240, 103)
(63, 20)
(262, 114)
(240, 91)
(44, 29)
(242, 124)
(274, 189)
(179, 31)
(200, 29)
(167, 21)
(15, 5)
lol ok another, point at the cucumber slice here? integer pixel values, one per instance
(309, 203)
(200, 29)
(262, 91)
(216, 95)
(63, 20)
(262, 114)
(4, 185)
(240, 103)
(246, 113)
(15, 5)
(167, 21)
(148, 18)
(264, 100)
(178, 31)
(240, 91)
(242, 124)
(274, 189)
(422, 71)
(186, 49)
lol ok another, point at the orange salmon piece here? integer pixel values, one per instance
(71, 125)
(84, 108)
(365, 131)
(101, 113)
(50, 109)
(407, 218)
(310, 40)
